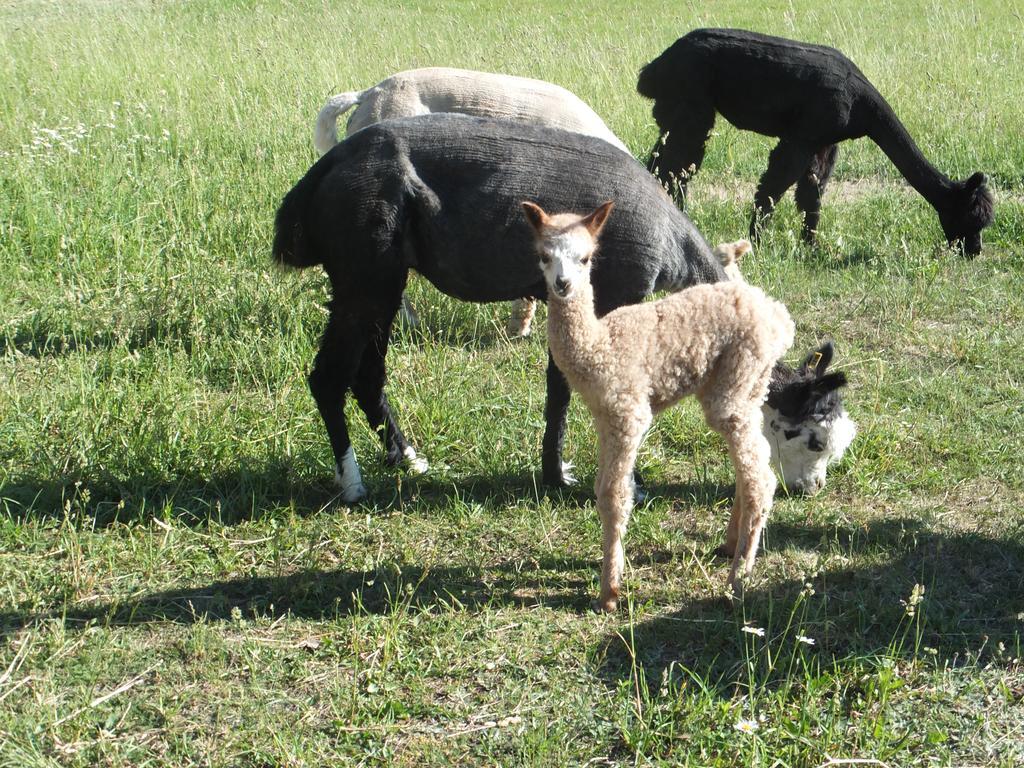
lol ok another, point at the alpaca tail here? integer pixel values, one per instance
(292, 245)
(648, 82)
(325, 135)
(659, 77)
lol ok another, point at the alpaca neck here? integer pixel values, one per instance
(576, 336)
(886, 130)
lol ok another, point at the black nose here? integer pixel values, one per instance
(561, 284)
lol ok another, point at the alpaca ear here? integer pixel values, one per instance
(731, 253)
(595, 221)
(977, 180)
(819, 359)
(535, 215)
(829, 382)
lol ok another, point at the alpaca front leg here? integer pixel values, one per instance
(755, 489)
(613, 528)
(728, 549)
(614, 488)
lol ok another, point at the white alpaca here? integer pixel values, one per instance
(718, 342)
(442, 89)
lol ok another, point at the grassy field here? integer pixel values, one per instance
(178, 584)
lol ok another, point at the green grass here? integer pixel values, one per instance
(178, 584)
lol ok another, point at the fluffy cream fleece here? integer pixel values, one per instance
(717, 342)
(444, 89)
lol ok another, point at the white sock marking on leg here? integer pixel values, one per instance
(414, 464)
(349, 478)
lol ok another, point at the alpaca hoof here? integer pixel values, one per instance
(517, 330)
(640, 496)
(414, 465)
(724, 551)
(611, 605)
(567, 476)
(736, 590)
(351, 492)
(559, 478)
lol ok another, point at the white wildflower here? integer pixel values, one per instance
(746, 726)
(752, 630)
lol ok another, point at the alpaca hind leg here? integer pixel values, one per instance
(617, 450)
(811, 187)
(368, 389)
(679, 151)
(785, 165)
(521, 319)
(333, 372)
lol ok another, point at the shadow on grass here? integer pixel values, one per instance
(972, 604)
(58, 340)
(329, 595)
(228, 498)
(256, 489)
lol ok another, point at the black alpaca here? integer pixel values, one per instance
(810, 97)
(441, 194)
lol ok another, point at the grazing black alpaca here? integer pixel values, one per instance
(441, 194)
(809, 96)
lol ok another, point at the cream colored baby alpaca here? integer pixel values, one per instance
(717, 342)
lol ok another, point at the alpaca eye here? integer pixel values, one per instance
(585, 260)
(545, 258)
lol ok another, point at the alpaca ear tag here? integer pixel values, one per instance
(815, 359)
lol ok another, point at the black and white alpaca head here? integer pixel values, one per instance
(805, 422)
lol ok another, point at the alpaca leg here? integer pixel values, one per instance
(755, 487)
(735, 414)
(368, 389)
(785, 165)
(728, 549)
(407, 313)
(521, 318)
(811, 187)
(554, 472)
(333, 372)
(679, 152)
(617, 450)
